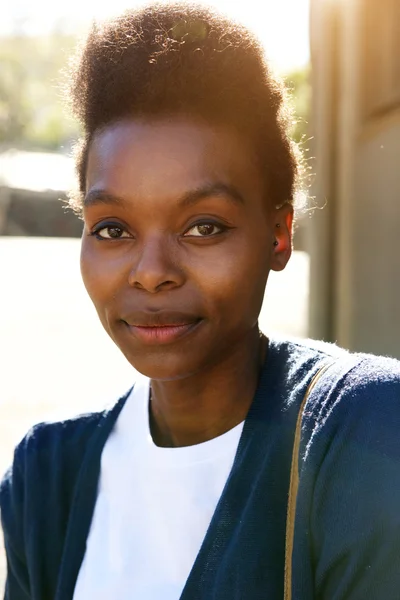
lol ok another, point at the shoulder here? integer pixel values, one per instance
(300, 352)
(370, 386)
(48, 439)
(356, 399)
(351, 422)
(357, 390)
(41, 453)
(294, 363)
(53, 447)
(37, 491)
(362, 372)
(351, 468)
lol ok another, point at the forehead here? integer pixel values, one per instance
(171, 155)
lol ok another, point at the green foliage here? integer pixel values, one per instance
(299, 84)
(32, 114)
(31, 108)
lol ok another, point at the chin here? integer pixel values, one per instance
(164, 365)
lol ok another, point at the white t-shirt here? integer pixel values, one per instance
(153, 508)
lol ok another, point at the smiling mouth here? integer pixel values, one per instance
(162, 334)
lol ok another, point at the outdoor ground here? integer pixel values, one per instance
(55, 358)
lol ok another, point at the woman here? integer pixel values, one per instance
(180, 490)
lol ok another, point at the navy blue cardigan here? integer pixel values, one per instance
(347, 528)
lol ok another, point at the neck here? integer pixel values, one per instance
(201, 407)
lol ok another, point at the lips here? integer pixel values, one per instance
(159, 319)
(161, 327)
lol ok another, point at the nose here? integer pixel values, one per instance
(155, 268)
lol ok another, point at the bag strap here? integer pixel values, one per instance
(294, 486)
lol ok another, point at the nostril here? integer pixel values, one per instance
(166, 284)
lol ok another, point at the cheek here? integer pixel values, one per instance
(234, 279)
(101, 274)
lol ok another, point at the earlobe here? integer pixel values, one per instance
(283, 238)
(281, 254)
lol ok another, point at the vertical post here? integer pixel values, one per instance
(348, 204)
(5, 198)
(321, 226)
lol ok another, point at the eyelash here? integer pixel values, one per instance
(216, 224)
(96, 231)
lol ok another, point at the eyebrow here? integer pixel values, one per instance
(209, 190)
(94, 197)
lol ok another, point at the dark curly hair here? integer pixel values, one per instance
(185, 59)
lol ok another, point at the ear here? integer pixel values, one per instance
(282, 237)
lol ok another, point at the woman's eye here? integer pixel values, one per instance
(203, 230)
(111, 232)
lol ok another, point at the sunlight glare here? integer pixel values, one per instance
(281, 25)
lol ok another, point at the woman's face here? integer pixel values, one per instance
(178, 243)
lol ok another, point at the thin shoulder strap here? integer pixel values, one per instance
(294, 486)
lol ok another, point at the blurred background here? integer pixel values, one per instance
(341, 60)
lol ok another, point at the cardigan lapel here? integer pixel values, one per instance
(242, 555)
(83, 504)
(234, 496)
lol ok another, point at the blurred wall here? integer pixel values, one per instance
(34, 213)
(354, 241)
(31, 202)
